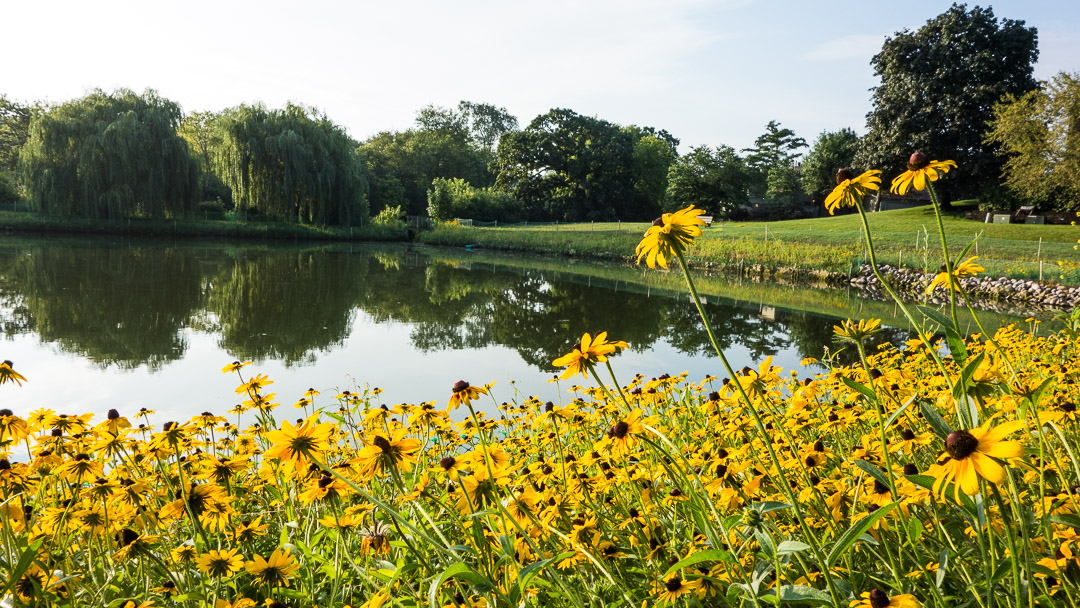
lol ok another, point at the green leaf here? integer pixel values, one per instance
(960, 388)
(874, 472)
(26, 559)
(861, 388)
(914, 530)
(801, 594)
(768, 545)
(933, 418)
(461, 571)
(954, 339)
(899, 410)
(791, 546)
(852, 534)
(710, 555)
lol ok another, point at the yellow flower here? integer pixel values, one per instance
(669, 236)
(673, 588)
(220, 563)
(849, 189)
(234, 366)
(967, 268)
(295, 443)
(878, 599)
(857, 332)
(9, 375)
(587, 352)
(273, 572)
(920, 169)
(970, 455)
(464, 393)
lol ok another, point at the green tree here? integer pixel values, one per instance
(938, 88)
(107, 156)
(777, 147)
(404, 163)
(782, 183)
(565, 166)
(201, 131)
(1039, 133)
(14, 131)
(713, 180)
(832, 151)
(291, 163)
(653, 156)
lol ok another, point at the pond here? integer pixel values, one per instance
(96, 324)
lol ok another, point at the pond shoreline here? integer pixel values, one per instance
(13, 223)
(999, 294)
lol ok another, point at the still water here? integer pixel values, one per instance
(96, 324)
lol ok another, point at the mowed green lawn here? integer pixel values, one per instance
(907, 236)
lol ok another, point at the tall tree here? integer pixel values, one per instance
(1039, 133)
(832, 151)
(774, 149)
(107, 156)
(14, 131)
(938, 88)
(292, 163)
(714, 180)
(570, 167)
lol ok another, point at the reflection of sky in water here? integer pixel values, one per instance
(381, 355)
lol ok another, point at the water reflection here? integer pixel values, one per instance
(130, 304)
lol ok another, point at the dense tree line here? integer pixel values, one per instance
(959, 88)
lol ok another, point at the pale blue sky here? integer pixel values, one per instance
(708, 72)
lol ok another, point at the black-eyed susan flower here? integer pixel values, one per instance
(850, 189)
(234, 367)
(877, 598)
(673, 588)
(7, 374)
(220, 564)
(464, 393)
(967, 268)
(273, 572)
(589, 351)
(857, 332)
(972, 454)
(669, 236)
(920, 171)
(297, 443)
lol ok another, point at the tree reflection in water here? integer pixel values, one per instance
(129, 304)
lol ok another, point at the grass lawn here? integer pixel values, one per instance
(907, 236)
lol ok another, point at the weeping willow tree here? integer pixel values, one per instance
(291, 163)
(110, 156)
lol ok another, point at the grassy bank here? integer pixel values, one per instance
(30, 223)
(903, 237)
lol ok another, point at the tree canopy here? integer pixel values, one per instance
(109, 156)
(938, 88)
(291, 163)
(774, 152)
(14, 131)
(569, 167)
(832, 151)
(715, 180)
(1039, 133)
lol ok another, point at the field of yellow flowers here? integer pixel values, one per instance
(940, 472)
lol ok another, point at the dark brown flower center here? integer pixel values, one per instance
(448, 463)
(658, 221)
(878, 599)
(382, 443)
(673, 584)
(961, 444)
(460, 385)
(917, 161)
(843, 175)
(620, 429)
